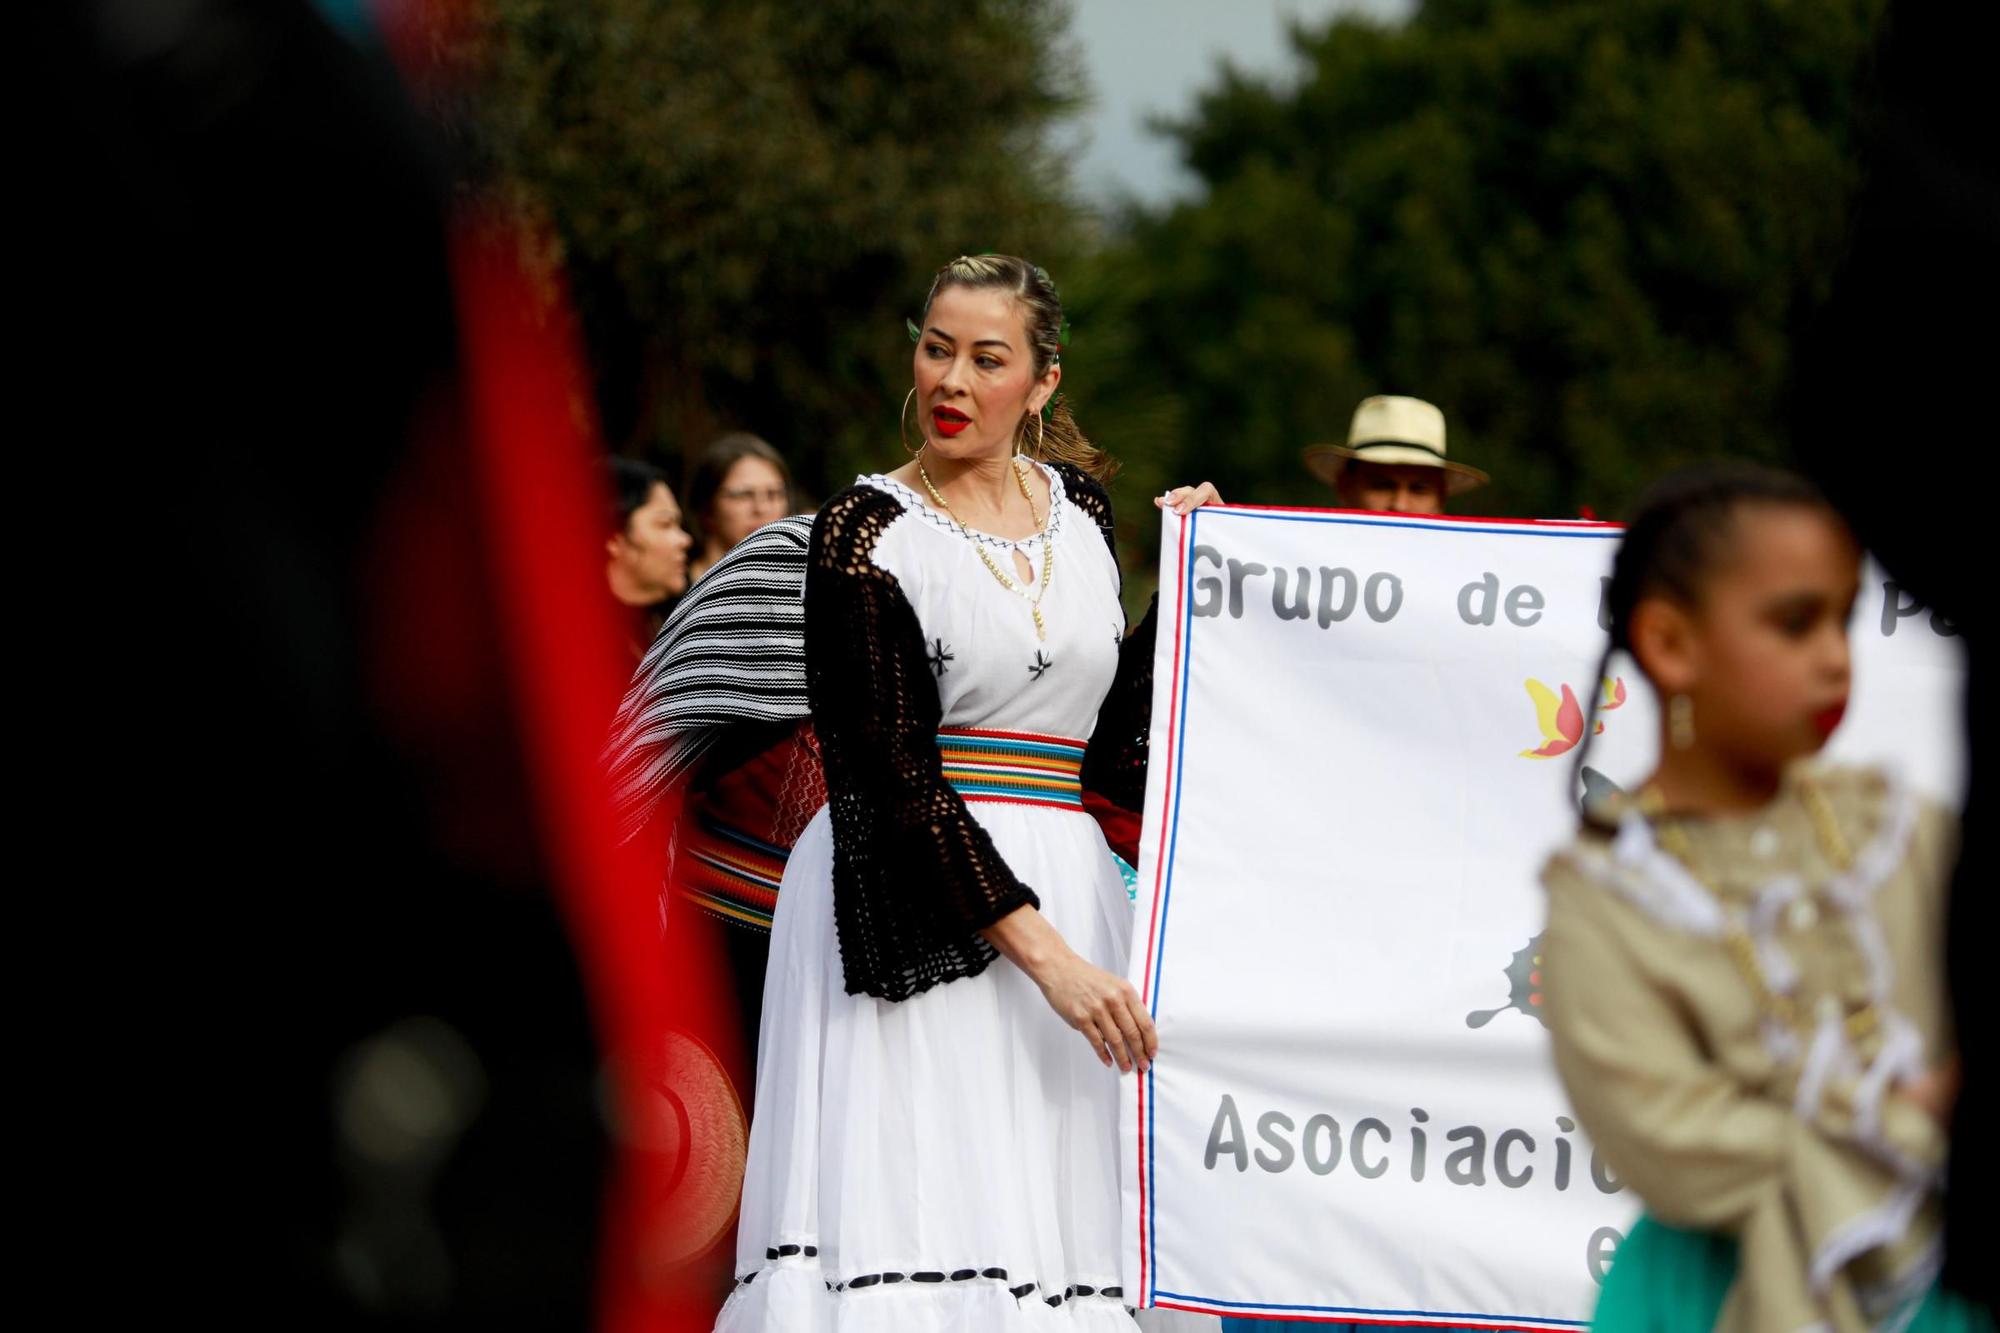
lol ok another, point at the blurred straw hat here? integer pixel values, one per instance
(1399, 432)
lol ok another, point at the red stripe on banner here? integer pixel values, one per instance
(1159, 869)
(1389, 517)
(1173, 736)
(1159, 863)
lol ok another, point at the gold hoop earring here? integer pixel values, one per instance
(1041, 434)
(1680, 722)
(904, 435)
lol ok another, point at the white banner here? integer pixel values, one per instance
(1363, 733)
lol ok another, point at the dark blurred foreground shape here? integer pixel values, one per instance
(1894, 413)
(304, 749)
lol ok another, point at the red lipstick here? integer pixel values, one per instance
(949, 421)
(1827, 719)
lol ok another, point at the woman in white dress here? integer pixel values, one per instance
(934, 1144)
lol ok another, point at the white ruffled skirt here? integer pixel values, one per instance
(947, 1162)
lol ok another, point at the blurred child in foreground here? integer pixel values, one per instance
(1744, 958)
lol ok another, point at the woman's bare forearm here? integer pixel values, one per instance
(1026, 939)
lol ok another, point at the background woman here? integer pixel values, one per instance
(933, 1145)
(646, 551)
(739, 484)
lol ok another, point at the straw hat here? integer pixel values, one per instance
(1398, 431)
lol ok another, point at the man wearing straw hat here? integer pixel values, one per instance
(1394, 459)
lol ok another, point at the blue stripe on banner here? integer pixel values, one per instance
(1613, 533)
(1210, 1305)
(1226, 1307)
(1166, 901)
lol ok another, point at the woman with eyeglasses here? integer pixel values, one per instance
(740, 484)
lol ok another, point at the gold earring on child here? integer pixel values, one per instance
(1680, 722)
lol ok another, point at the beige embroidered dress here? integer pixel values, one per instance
(1758, 1101)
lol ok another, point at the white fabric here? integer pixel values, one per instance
(967, 1127)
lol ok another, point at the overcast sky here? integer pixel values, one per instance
(1152, 56)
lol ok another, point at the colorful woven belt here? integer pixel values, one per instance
(728, 872)
(1015, 767)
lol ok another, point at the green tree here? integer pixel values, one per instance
(1588, 229)
(750, 195)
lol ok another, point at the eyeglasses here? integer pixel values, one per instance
(738, 494)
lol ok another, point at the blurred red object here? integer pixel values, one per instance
(659, 1005)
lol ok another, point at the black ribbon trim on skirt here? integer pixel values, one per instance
(933, 1277)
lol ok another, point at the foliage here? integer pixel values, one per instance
(752, 194)
(1587, 229)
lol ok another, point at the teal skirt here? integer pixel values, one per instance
(1666, 1280)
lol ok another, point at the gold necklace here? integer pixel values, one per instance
(1048, 556)
(1863, 1021)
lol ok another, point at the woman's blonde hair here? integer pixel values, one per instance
(1057, 440)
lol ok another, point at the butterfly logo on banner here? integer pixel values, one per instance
(1561, 719)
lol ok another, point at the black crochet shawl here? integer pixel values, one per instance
(915, 878)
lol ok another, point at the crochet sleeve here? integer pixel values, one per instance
(1114, 767)
(915, 878)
